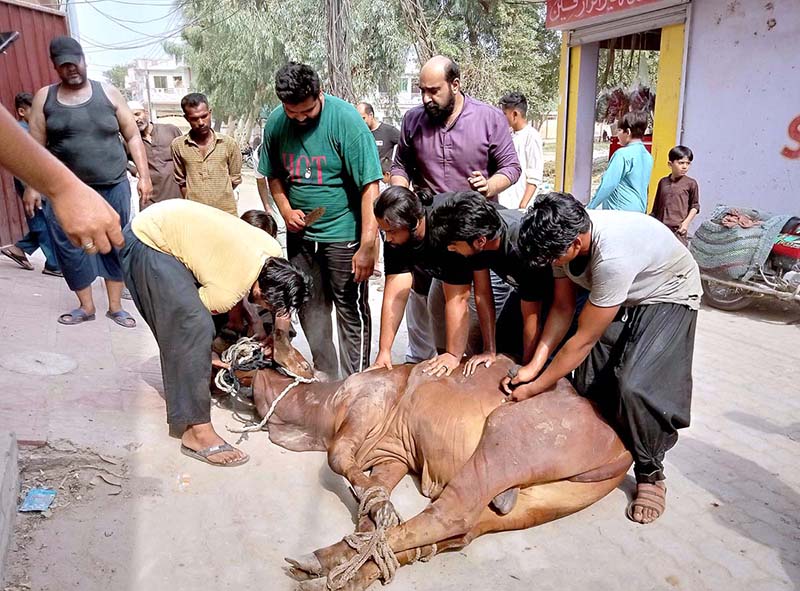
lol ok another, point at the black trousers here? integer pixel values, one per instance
(640, 375)
(165, 293)
(330, 268)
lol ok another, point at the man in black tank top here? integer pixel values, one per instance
(80, 121)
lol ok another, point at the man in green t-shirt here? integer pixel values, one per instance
(318, 152)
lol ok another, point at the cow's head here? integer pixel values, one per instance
(287, 357)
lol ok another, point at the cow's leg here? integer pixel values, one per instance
(386, 475)
(537, 504)
(342, 459)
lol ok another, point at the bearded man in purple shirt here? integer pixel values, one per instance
(452, 142)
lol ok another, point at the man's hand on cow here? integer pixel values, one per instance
(364, 261)
(523, 392)
(486, 359)
(515, 379)
(295, 221)
(383, 360)
(441, 365)
(260, 333)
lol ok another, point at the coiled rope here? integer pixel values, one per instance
(248, 355)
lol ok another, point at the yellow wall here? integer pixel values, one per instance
(665, 125)
(668, 96)
(563, 89)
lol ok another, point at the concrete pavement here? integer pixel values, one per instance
(731, 523)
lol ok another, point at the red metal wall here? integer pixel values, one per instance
(25, 67)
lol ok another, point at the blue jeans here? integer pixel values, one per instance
(38, 236)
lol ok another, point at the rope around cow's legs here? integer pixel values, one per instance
(368, 546)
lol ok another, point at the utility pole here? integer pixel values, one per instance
(147, 87)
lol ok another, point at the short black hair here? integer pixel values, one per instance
(464, 216)
(22, 100)
(261, 219)
(550, 226)
(399, 207)
(285, 287)
(295, 82)
(635, 122)
(679, 153)
(451, 70)
(194, 99)
(367, 107)
(515, 101)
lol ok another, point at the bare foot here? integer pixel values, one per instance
(649, 504)
(200, 437)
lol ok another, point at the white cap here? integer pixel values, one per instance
(136, 106)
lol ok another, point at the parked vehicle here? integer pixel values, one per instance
(249, 157)
(777, 275)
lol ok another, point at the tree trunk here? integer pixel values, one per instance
(337, 43)
(417, 24)
(230, 128)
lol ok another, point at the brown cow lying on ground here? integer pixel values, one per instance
(488, 465)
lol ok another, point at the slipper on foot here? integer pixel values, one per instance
(122, 318)
(77, 316)
(52, 272)
(202, 455)
(21, 261)
(648, 496)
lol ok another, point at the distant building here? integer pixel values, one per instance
(408, 96)
(160, 83)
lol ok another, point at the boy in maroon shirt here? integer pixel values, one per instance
(677, 199)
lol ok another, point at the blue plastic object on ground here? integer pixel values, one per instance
(38, 499)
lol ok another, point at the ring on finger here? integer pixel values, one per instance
(88, 245)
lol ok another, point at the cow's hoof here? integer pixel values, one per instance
(304, 568)
(504, 502)
(384, 515)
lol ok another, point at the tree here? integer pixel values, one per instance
(500, 47)
(234, 48)
(116, 76)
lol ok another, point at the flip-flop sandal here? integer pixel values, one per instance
(202, 455)
(77, 316)
(122, 318)
(647, 498)
(25, 264)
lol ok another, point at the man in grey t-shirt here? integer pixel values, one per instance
(633, 348)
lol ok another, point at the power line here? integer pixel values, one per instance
(139, 44)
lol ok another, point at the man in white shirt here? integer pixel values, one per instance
(528, 144)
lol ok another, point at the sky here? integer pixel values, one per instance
(115, 32)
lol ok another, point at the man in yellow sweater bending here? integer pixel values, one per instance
(185, 262)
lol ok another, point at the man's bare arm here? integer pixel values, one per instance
(84, 215)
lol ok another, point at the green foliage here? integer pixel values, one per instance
(234, 48)
(116, 76)
(501, 48)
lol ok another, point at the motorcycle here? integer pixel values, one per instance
(249, 157)
(742, 263)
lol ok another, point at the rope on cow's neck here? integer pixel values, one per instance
(246, 355)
